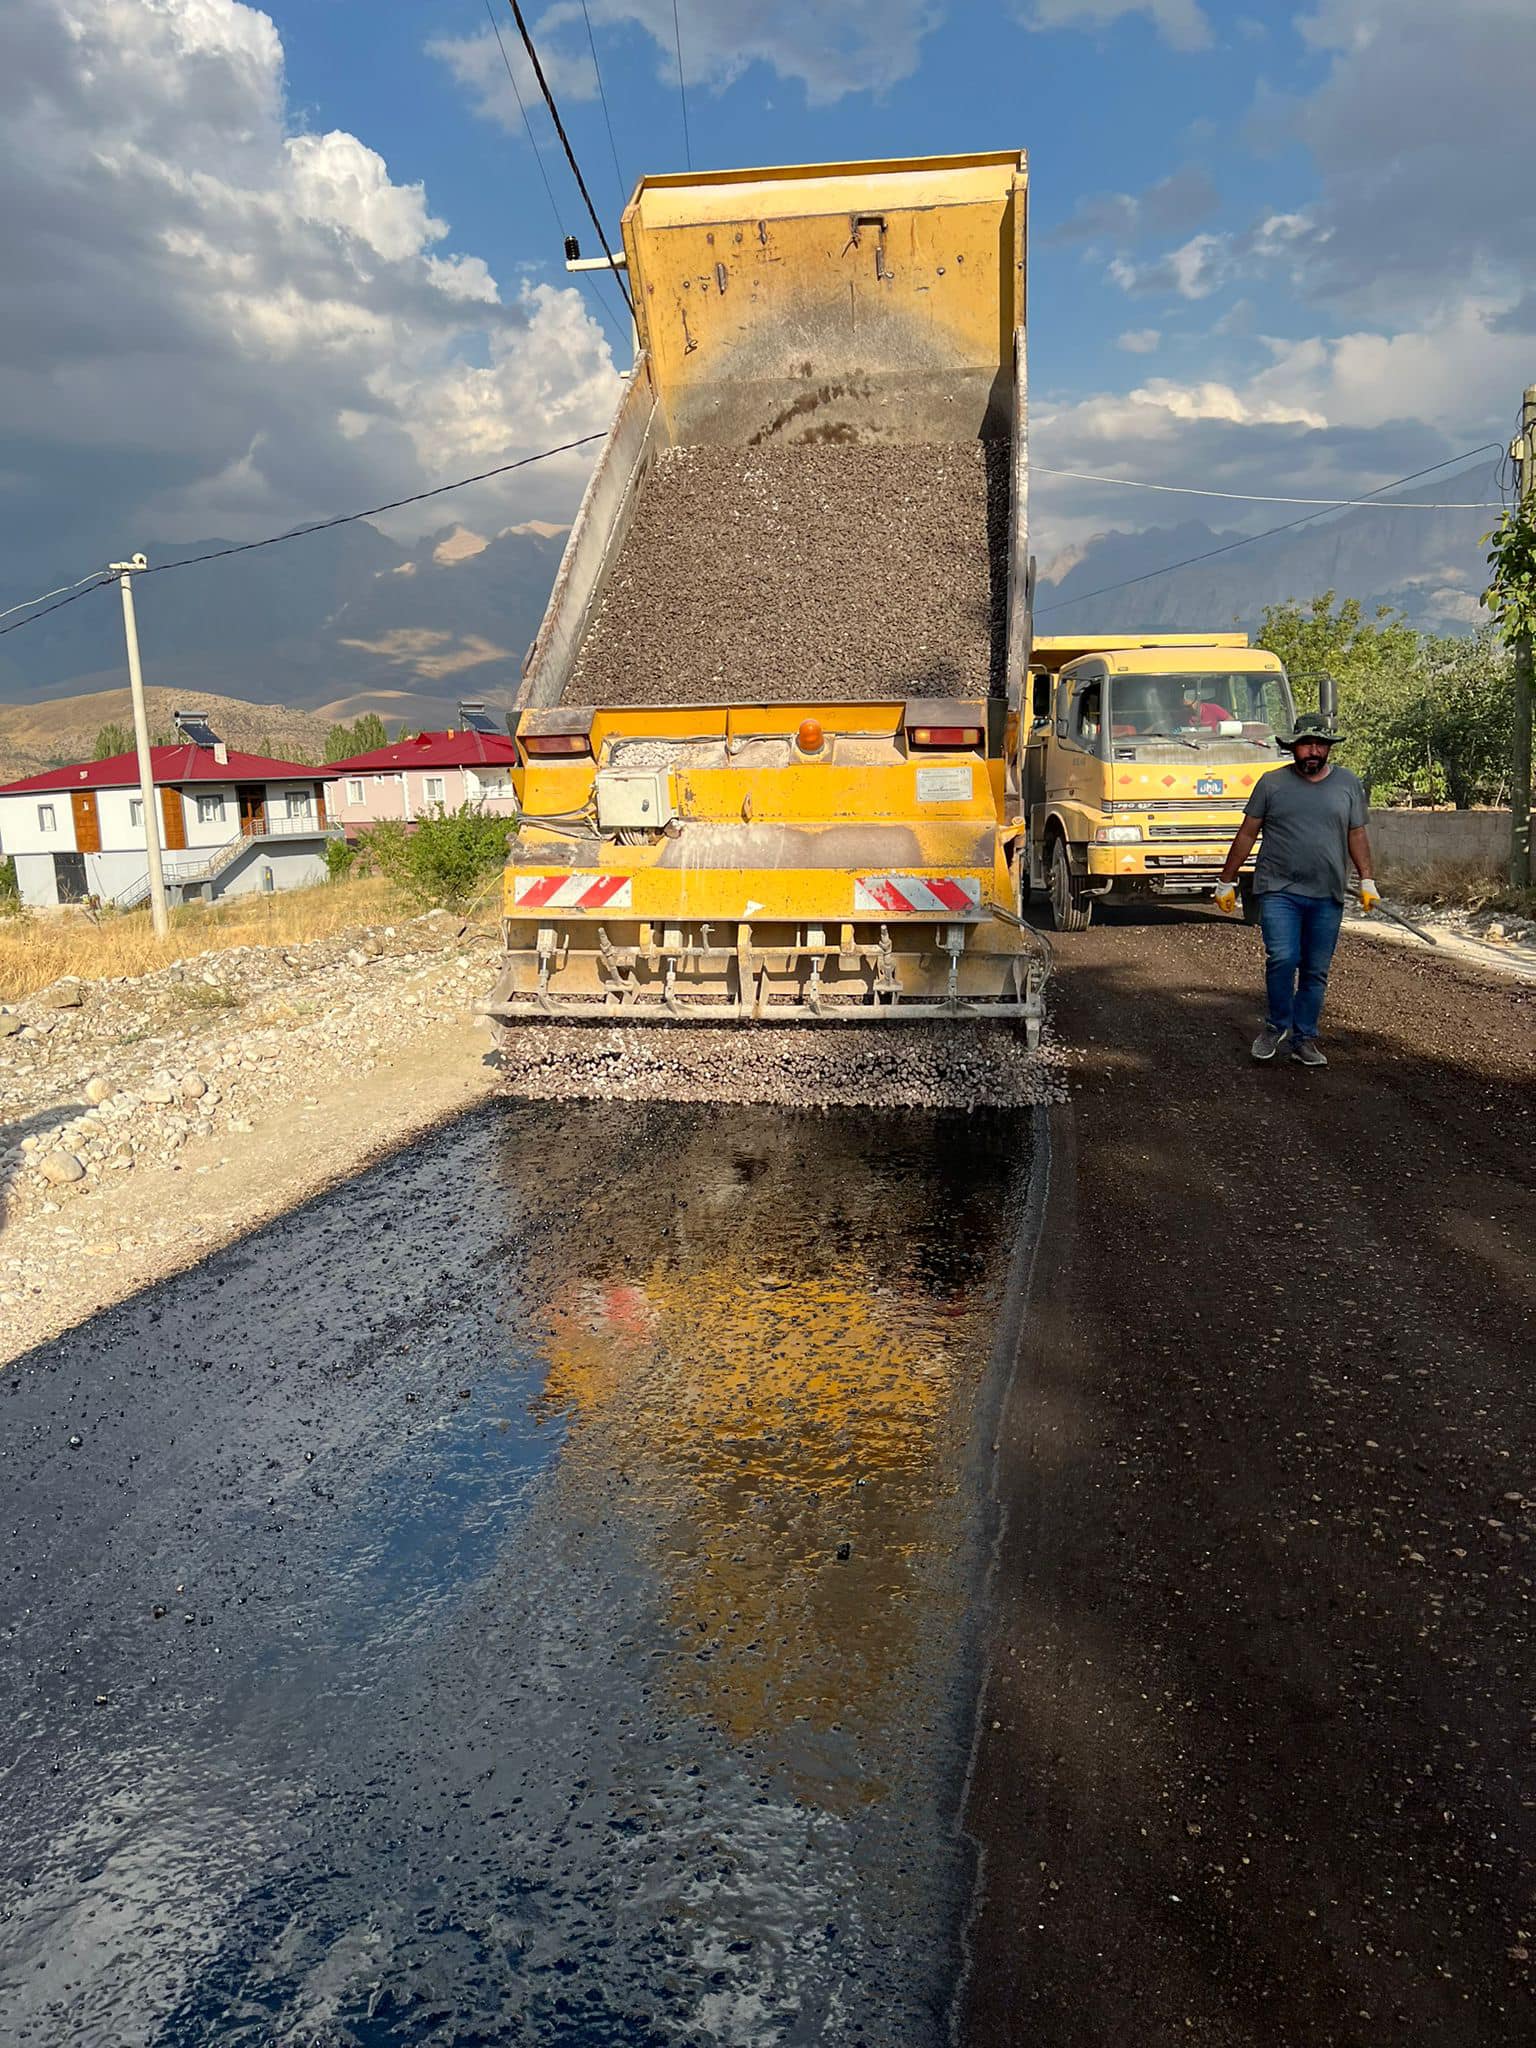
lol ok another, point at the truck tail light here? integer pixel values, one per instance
(944, 735)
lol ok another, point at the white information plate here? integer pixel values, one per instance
(943, 785)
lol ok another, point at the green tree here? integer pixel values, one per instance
(340, 744)
(369, 733)
(112, 739)
(1448, 733)
(10, 889)
(1370, 659)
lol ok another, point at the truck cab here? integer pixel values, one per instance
(1139, 757)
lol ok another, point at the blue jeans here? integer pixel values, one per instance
(1300, 933)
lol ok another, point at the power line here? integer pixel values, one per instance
(570, 154)
(533, 142)
(246, 547)
(1132, 483)
(1248, 539)
(538, 155)
(682, 89)
(597, 70)
(29, 603)
(102, 578)
(100, 582)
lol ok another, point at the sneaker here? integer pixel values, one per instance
(1306, 1052)
(1268, 1043)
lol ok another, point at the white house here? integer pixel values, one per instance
(414, 778)
(229, 824)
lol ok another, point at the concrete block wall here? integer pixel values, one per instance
(1421, 839)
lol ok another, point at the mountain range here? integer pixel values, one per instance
(1426, 564)
(350, 620)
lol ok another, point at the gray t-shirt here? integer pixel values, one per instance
(1306, 827)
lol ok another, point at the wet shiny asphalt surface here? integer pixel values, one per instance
(529, 1595)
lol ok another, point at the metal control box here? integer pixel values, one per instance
(632, 800)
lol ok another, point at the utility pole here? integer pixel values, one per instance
(1524, 452)
(125, 573)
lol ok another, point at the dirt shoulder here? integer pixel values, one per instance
(1251, 1768)
(145, 1122)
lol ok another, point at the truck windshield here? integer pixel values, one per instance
(1200, 707)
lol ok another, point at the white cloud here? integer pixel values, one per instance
(857, 46)
(1139, 341)
(1443, 372)
(1194, 270)
(1422, 134)
(216, 324)
(1180, 22)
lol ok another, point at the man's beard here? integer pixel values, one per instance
(1314, 766)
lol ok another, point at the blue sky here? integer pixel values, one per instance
(265, 266)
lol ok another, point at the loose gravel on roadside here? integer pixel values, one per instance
(99, 1078)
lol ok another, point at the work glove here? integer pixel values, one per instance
(1370, 895)
(1226, 898)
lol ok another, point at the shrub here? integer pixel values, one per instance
(448, 859)
(340, 859)
(10, 888)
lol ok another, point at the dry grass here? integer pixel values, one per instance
(37, 950)
(1455, 885)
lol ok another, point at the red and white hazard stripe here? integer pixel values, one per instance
(573, 892)
(924, 895)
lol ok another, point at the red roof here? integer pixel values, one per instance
(463, 749)
(170, 765)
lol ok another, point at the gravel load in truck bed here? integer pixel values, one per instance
(822, 571)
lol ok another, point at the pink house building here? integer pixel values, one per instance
(415, 778)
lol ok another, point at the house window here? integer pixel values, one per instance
(434, 788)
(136, 812)
(355, 791)
(298, 803)
(46, 820)
(210, 810)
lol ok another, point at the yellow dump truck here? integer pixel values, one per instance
(773, 735)
(1139, 758)
(764, 733)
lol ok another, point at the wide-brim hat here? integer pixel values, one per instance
(1310, 726)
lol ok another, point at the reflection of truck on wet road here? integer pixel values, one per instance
(771, 735)
(1139, 758)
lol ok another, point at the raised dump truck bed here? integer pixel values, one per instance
(767, 730)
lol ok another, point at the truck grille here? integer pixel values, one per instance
(1218, 828)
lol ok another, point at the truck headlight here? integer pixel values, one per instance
(1117, 835)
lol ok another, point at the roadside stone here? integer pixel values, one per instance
(193, 1087)
(67, 996)
(9, 1026)
(60, 1168)
(98, 1089)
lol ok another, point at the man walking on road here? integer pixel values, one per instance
(1312, 816)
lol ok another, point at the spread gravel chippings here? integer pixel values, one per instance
(941, 1066)
(815, 572)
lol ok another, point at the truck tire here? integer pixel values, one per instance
(1071, 905)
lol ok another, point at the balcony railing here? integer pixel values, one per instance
(206, 867)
